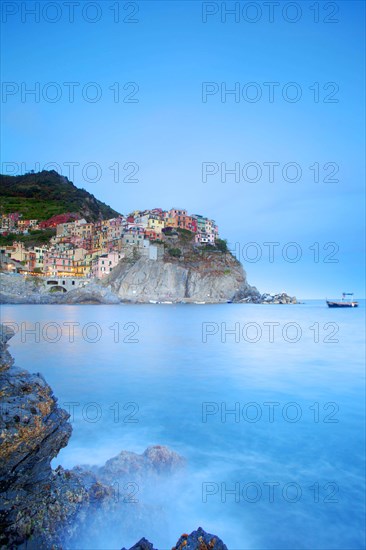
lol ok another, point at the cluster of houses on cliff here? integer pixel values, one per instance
(87, 249)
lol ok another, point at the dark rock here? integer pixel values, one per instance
(44, 508)
(199, 540)
(142, 544)
(247, 295)
(38, 505)
(6, 359)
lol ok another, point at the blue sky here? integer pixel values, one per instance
(169, 132)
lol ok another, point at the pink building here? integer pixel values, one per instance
(103, 265)
(57, 264)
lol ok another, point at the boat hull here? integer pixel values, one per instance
(342, 304)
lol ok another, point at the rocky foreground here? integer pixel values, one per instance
(42, 508)
(197, 540)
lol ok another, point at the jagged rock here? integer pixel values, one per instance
(6, 333)
(142, 544)
(45, 508)
(156, 459)
(34, 500)
(282, 298)
(197, 540)
(6, 360)
(37, 504)
(163, 459)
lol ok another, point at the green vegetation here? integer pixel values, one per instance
(32, 209)
(175, 252)
(221, 244)
(56, 289)
(168, 231)
(33, 238)
(26, 194)
(185, 235)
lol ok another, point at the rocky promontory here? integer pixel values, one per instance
(210, 277)
(46, 508)
(178, 271)
(144, 282)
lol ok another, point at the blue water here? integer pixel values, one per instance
(285, 471)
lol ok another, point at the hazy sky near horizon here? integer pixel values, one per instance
(292, 131)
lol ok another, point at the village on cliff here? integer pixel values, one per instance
(85, 249)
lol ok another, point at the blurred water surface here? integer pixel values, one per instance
(270, 416)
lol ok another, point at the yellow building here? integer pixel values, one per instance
(155, 224)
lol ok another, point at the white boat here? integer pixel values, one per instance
(166, 302)
(199, 302)
(153, 302)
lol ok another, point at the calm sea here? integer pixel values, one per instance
(266, 403)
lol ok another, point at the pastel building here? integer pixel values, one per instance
(104, 264)
(36, 258)
(19, 253)
(155, 223)
(151, 234)
(205, 238)
(132, 239)
(57, 264)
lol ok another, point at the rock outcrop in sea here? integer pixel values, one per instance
(43, 508)
(197, 540)
(266, 298)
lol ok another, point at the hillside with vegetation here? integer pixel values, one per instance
(45, 194)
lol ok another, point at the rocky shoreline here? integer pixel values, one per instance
(45, 508)
(142, 283)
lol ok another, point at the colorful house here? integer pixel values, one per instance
(103, 265)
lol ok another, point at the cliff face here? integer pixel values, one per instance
(215, 277)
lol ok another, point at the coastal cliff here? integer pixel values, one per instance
(212, 277)
(42, 508)
(146, 281)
